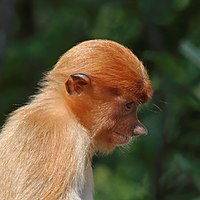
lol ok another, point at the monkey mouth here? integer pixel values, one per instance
(120, 139)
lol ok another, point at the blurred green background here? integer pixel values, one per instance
(165, 35)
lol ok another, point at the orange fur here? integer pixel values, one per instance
(46, 146)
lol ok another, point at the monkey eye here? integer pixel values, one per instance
(129, 105)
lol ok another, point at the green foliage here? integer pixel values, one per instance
(165, 164)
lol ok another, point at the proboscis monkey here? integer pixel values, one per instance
(87, 104)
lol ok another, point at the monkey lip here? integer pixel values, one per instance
(120, 139)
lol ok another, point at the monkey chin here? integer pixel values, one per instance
(119, 139)
(114, 140)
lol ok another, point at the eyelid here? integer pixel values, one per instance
(129, 105)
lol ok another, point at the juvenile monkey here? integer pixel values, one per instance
(87, 103)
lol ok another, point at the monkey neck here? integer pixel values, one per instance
(54, 145)
(55, 103)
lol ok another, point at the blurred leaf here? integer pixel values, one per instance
(191, 52)
(113, 22)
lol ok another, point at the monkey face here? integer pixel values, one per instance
(127, 125)
(110, 114)
(119, 125)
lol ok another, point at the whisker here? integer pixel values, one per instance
(157, 107)
(151, 108)
(165, 102)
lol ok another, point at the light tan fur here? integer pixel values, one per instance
(40, 149)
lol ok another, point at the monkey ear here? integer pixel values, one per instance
(77, 83)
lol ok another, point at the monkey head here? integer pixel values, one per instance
(104, 83)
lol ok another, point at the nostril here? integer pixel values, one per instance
(139, 130)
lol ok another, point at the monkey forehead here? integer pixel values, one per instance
(131, 81)
(140, 91)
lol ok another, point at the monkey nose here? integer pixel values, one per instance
(139, 129)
